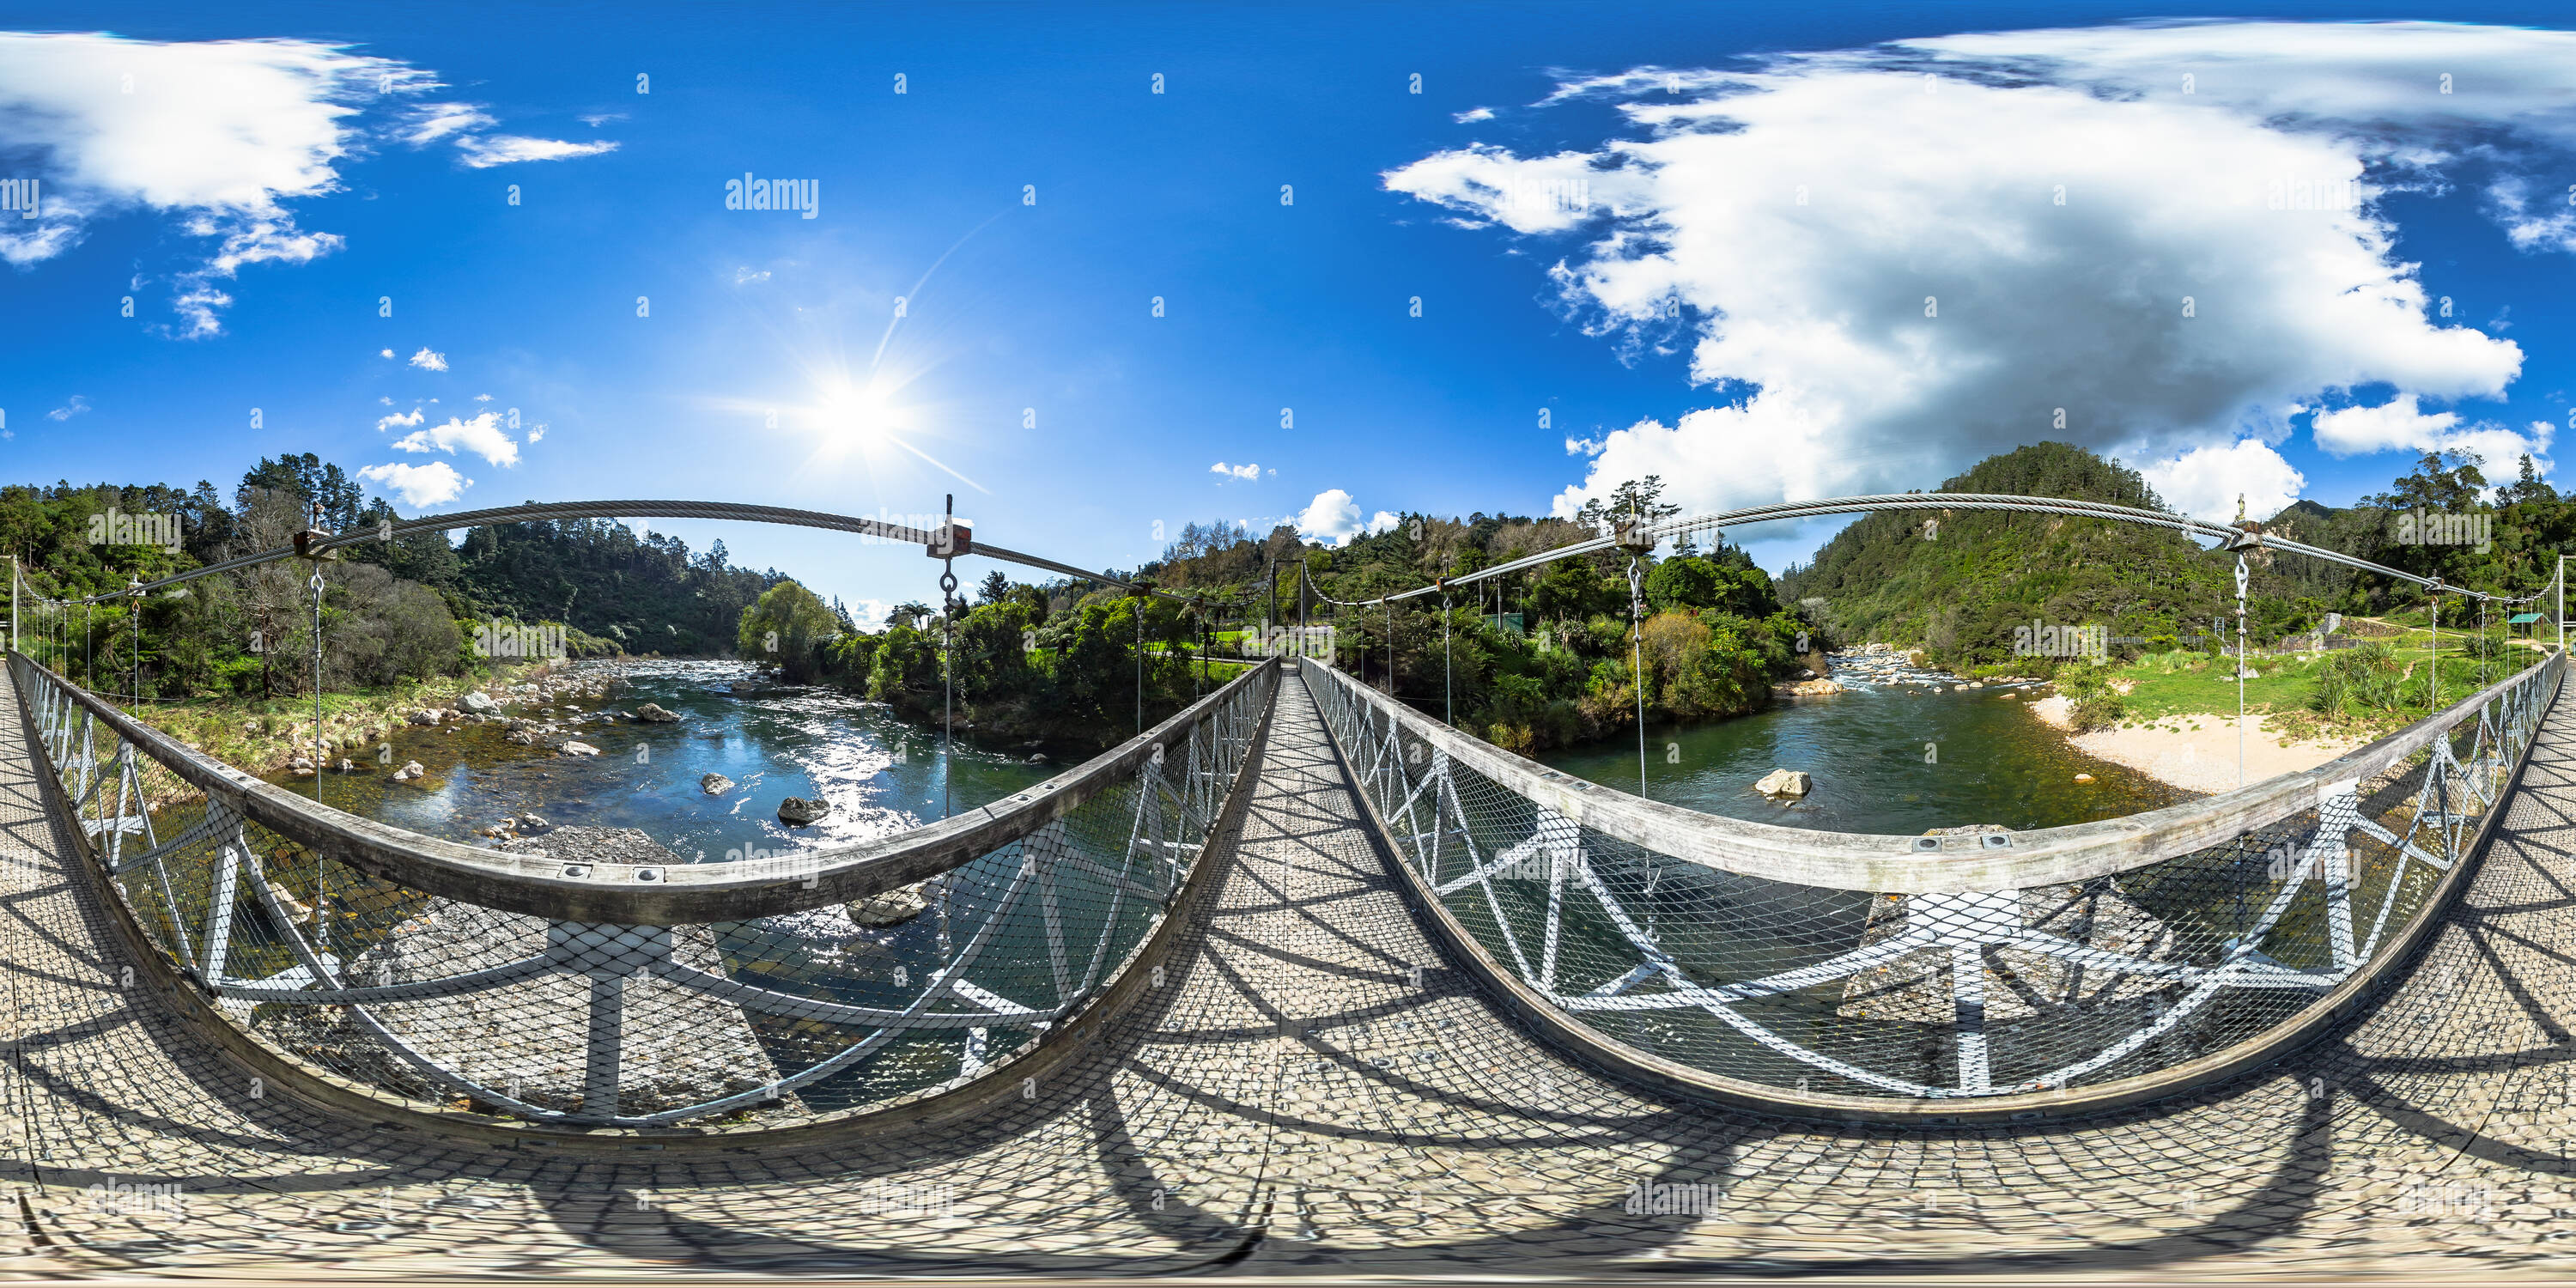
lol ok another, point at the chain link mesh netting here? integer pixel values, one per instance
(827, 1008)
(1931, 995)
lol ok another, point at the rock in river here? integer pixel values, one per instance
(796, 811)
(653, 714)
(1785, 782)
(715, 784)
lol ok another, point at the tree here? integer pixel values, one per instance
(311, 480)
(788, 627)
(996, 587)
(1634, 499)
(2528, 487)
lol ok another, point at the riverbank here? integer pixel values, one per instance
(2197, 753)
(266, 735)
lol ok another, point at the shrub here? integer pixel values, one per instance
(2362, 680)
(2091, 703)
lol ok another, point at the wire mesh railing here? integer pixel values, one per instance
(829, 982)
(1834, 970)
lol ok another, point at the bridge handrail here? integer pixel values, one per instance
(1901, 864)
(743, 998)
(1709, 955)
(642, 894)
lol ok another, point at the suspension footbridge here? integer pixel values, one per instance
(1301, 981)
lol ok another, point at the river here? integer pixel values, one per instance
(881, 773)
(1889, 759)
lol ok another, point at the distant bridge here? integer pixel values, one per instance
(1300, 980)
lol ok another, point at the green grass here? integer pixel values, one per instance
(2285, 684)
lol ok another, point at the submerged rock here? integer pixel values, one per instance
(892, 908)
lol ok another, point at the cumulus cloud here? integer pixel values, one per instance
(399, 420)
(1382, 521)
(537, 434)
(1889, 263)
(1473, 115)
(482, 436)
(1246, 471)
(216, 136)
(2207, 482)
(2402, 424)
(72, 408)
(384, 353)
(482, 397)
(1332, 517)
(429, 361)
(418, 485)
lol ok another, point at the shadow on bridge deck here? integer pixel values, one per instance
(1291, 1102)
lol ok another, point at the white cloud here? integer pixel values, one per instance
(1332, 517)
(219, 136)
(429, 361)
(504, 149)
(75, 407)
(745, 275)
(597, 119)
(435, 121)
(2206, 482)
(386, 399)
(1245, 471)
(403, 420)
(1784, 227)
(2401, 424)
(1382, 521)
(482, 436)
(384, 353)
(537, 435)
(1473, 115)
(419, 485)
(482, 397)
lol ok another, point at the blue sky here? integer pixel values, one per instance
(1763, 252)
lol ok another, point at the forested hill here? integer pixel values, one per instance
(1956, 582)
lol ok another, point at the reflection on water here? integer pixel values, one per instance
(1898, 760)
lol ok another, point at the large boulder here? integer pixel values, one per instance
(1785, 782)
(480, 703)
(797, 811)
(654, 714)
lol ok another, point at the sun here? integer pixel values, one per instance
(857, 416)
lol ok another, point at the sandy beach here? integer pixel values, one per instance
(2198, 752)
